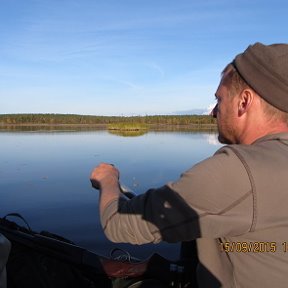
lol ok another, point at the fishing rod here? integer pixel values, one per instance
(125, 190)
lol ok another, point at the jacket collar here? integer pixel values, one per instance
(276, 136)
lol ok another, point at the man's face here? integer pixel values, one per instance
(225, 112)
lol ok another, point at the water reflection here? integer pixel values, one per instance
(124, 133)
(45, 176)
(50, 128)
(212, 139)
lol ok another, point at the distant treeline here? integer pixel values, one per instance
(61, 119)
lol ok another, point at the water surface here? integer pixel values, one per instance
(44, 176)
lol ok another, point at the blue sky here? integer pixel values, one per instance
(125, 57)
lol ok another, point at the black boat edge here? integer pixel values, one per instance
(50, 261)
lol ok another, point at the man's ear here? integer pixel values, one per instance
(245, 100)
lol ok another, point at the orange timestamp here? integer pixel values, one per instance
(250, 247)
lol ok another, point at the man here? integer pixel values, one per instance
(235, 202)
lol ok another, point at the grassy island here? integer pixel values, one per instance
(122, 126)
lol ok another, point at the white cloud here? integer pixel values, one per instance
(209, 109)
(157, 68)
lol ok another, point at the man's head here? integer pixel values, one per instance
(258, 77)
(265, 69)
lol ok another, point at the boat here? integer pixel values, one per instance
(46, 260)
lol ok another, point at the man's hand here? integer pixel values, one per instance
(105, 177)
(104, 174)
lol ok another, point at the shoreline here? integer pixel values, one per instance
(151, 127)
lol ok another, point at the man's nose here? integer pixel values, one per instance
(214, 111)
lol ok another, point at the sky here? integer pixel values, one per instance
(126, 57)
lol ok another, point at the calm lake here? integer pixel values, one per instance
(44, 176)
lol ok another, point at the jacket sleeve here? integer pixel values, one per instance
(212, 199)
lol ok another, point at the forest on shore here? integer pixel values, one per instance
(90, 120)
